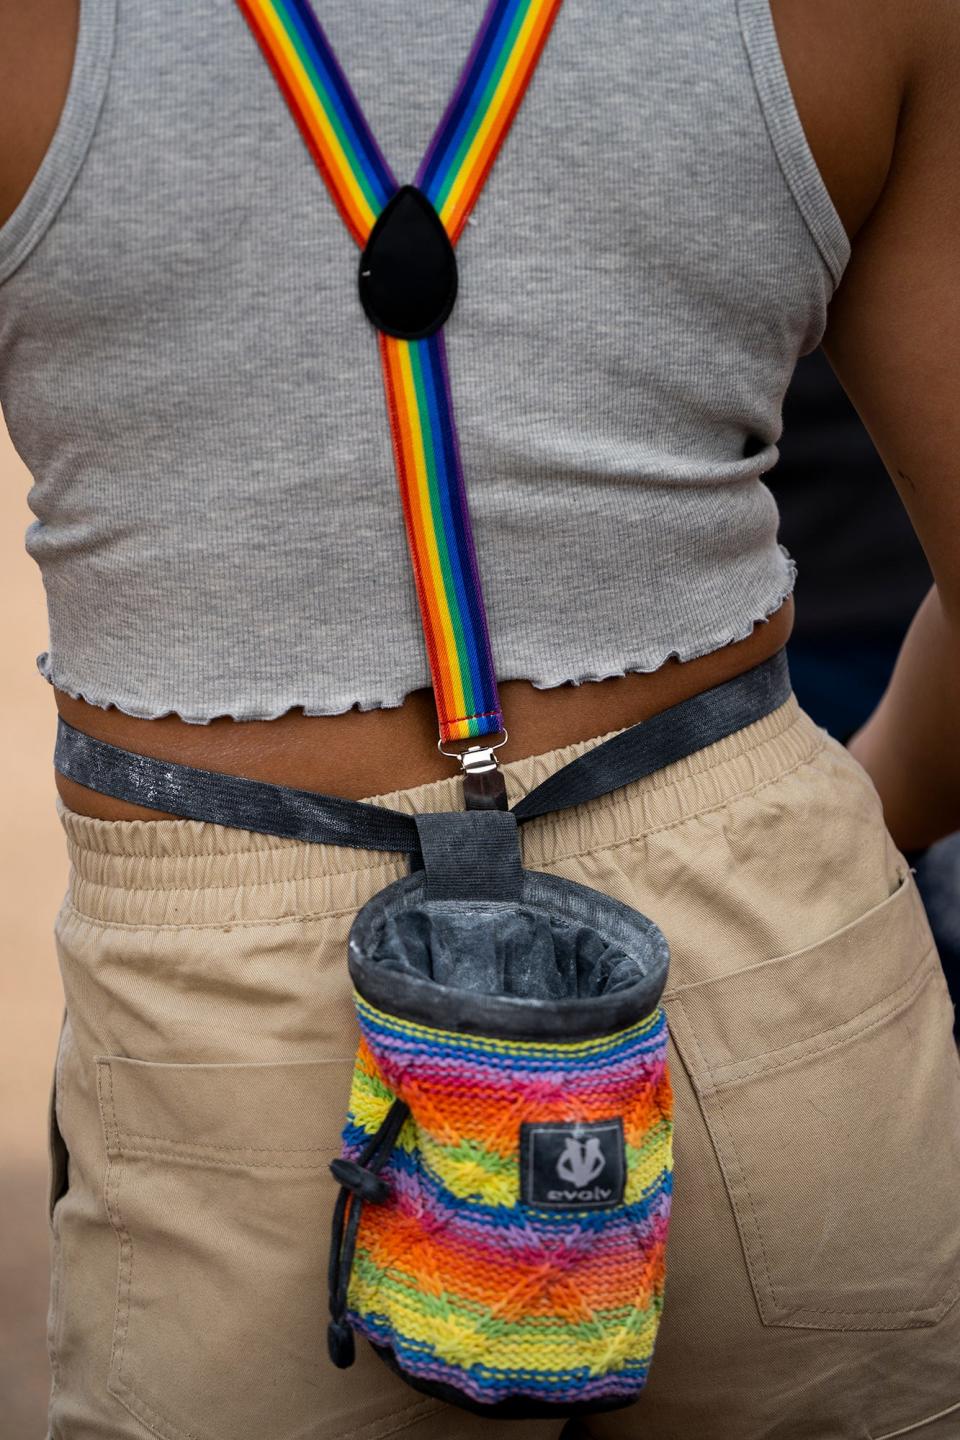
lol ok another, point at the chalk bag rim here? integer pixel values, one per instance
(426, 1001)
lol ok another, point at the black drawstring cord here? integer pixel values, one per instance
(359, 1183)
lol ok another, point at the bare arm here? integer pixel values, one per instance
(894, 340)
(37, 42)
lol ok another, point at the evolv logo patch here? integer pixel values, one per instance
(581, 1160)
(572, 1164)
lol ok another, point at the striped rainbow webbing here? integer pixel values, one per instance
(451, 175)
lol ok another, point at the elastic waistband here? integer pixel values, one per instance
(176, 872)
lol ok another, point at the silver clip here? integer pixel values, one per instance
(476, 759)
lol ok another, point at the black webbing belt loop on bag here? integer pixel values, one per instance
(471, 855)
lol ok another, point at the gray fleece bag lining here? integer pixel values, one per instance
(552, 959)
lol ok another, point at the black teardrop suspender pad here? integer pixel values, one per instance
(408, 271)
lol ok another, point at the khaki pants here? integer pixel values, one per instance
(814, 1256)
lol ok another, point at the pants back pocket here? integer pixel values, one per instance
(218, 1190)
(830, 1084)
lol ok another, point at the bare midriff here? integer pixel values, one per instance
(372, 752)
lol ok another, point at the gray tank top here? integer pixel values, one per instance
(187, 372)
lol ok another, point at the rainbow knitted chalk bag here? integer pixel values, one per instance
(499, 1235)
(506, 1171)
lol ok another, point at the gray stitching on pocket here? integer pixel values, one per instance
(111, 1196)
(227, 1149)
(407, 1416)
(702, 1091)
(155, 1152)
(116, 1384)
(920, 1424)
(145, 1413)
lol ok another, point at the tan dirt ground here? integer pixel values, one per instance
(32, 878)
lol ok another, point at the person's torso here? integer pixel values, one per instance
(186, 369)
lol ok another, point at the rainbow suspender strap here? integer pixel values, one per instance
(425, 221)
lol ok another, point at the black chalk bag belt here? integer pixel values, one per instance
(230, 800)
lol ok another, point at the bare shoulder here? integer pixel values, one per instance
(37, 43)
(854, 67)
(893, 333)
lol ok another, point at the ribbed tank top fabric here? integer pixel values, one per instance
(787, 137)
(186, 370)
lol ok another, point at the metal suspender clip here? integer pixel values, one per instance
(484, 787)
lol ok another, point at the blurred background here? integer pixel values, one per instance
(33, 874)
(862, 575)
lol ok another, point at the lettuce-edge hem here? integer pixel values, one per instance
(609, 668)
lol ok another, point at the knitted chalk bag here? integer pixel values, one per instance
(506, 1169)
